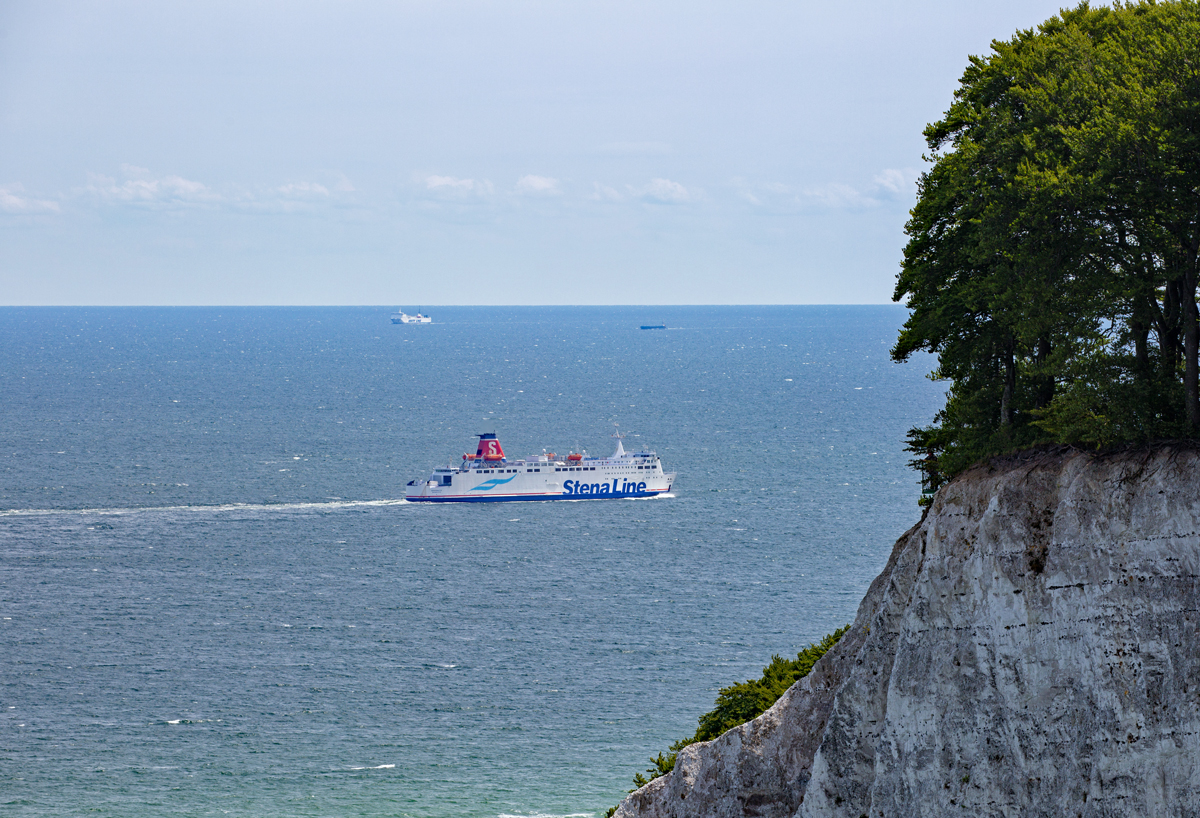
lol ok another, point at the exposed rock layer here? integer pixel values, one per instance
(1030, 649)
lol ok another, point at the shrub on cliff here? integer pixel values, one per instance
(1054, 251)
(743, 701)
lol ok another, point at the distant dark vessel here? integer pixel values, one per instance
(654, 326)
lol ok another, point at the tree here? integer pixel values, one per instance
(1052, 261)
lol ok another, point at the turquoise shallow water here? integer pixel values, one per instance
(213, 603)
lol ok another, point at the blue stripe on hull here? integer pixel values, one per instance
(519, 499)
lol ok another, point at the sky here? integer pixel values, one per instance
(500, 152)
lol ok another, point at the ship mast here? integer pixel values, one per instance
(620, 452)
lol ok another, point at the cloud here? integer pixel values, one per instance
(897, 184)
(664, 191)
(141, 187)
(837, 196)
(303, 190)
(887, 186)
(457, 187)
(765, 195)
(12, 201)
(605, 193)
(295, 197)
(538, 185)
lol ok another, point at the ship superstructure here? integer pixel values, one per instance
(488, 476)
(401, 317)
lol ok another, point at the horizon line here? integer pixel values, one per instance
(433, 306)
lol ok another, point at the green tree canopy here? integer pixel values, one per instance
(1052, 255)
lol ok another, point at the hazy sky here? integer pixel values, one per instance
(422, 153)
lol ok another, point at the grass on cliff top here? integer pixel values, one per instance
(741, 702)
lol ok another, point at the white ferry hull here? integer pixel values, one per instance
(569, 490)
(621, 477)
(402, 318)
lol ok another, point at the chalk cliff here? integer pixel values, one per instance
(1032, 648)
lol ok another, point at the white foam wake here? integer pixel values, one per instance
(327, 506)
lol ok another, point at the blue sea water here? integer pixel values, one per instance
(212, 601)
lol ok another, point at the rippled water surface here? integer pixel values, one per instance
(214, 603)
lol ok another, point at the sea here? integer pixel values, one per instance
(215, 602)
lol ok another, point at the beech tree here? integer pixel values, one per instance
(1052, 261)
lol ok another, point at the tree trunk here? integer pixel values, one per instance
(1139, 326)
(1045, 388)
(1141, 347)
(1191, 371)
(1010, 383)
(1169, 326)
(1191, 346)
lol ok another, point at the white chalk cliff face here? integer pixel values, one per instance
(1031, 649)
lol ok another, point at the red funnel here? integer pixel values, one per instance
(489, 447)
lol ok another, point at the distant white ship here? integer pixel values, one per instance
(402, 318)
(488, 476)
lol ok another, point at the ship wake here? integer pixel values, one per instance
(332, 505)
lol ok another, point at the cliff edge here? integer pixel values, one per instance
(1031, 648)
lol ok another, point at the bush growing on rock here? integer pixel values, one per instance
(741, 702)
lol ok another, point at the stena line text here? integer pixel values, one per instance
(618, 486)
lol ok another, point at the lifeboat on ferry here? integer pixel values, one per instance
(574, 458)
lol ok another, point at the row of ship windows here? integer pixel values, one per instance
(593, 468)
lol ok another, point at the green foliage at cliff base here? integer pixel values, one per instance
(741, 702)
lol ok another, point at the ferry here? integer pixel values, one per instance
(488, 477)
(402, 318)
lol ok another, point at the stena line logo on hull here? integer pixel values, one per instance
(617, 486)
